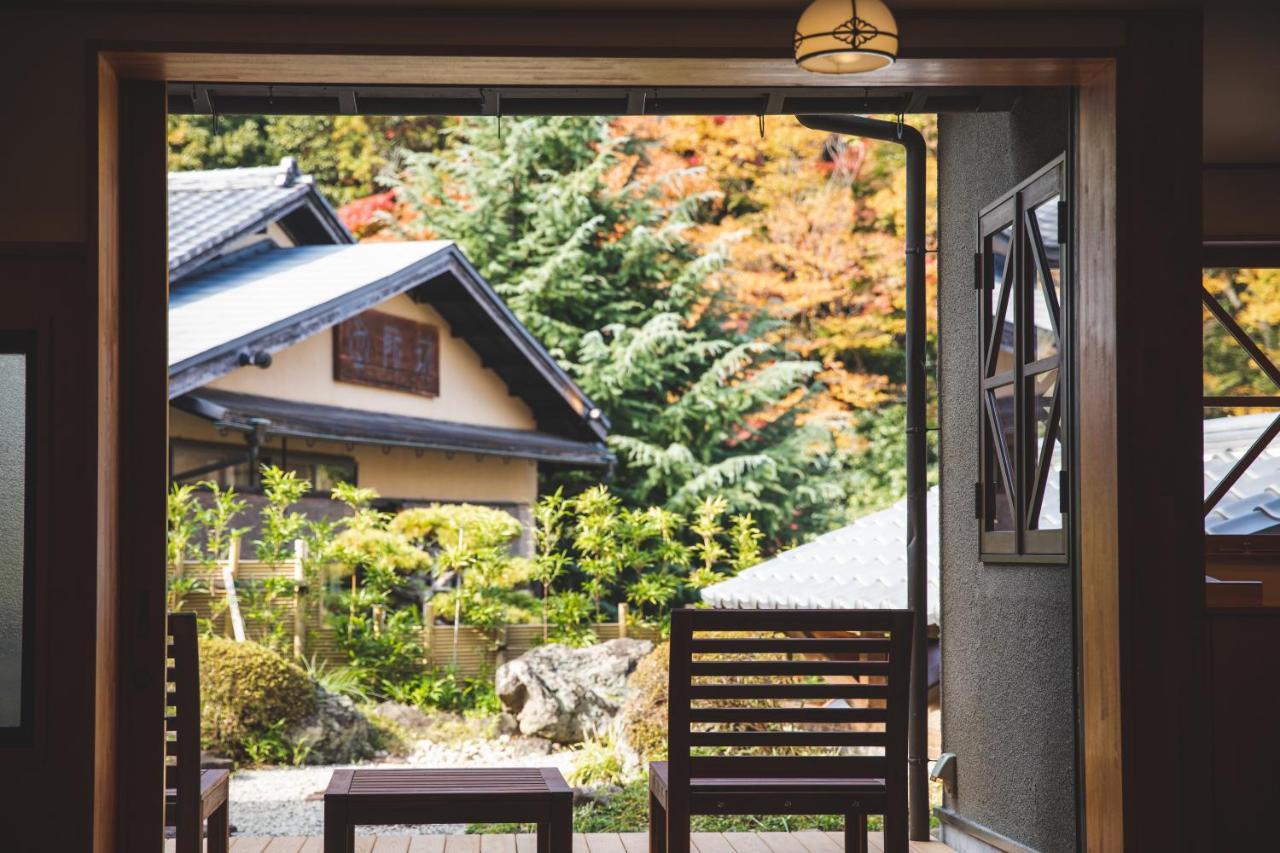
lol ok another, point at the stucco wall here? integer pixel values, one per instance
(13, 442)
(402, 473)
(1007, 676)
(469, 393)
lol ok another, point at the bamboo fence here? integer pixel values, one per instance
(305, 616)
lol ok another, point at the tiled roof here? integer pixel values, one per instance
(1252, 505)
(334, 423)
(860, 566)
(240, 304)
(268, 298)
(210, 209)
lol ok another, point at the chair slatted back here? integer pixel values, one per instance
(773, 691)
(182, 718)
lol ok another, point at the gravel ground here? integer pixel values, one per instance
(288, 801)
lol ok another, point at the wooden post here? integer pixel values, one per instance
(622, 619)
(428, 630)
(299, 576)
(229, 570)
(322, 586)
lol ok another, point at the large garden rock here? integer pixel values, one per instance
(336, 732)
(565, 694)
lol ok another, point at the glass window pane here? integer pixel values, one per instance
(13, 529)
(1251, 298)
(1044, 388)
(1003, 444)
(1001, 326)
(228, 466)
(1251, 506)
(1044, 338)
(1046, 216)
(1045, 294)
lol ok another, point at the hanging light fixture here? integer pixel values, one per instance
(846, 36)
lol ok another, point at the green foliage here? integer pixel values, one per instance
(216, 521)
(478, 527)
(346, 681)
(178, 588)
(877, 462)
(384, 644)
(280, 527)
(445, 690)
(590, 244)
(182, 523)
(264, 605)
(249, 695)
(1251, 297)
(550, 514)
(473, 545)
(597, 761)
(600, 551)
(345, 154)
(569, 619)
(273, 747)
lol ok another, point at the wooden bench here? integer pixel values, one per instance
(777, 697)
(511, 795)
(192, 795)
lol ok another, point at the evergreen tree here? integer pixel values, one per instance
(591, 246)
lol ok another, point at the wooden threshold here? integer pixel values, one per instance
(811, 841)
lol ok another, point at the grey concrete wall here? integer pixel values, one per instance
(13, 441)
(1007, 672)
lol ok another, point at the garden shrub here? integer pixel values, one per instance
(597, 762)
(248, 695)
(644, 717)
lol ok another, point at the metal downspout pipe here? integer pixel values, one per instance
(917, 485)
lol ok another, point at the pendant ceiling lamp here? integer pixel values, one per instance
(846, 36)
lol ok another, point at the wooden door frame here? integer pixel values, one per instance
(1139, 791)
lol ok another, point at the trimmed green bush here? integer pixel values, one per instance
(248, 693)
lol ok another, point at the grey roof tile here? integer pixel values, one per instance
(208, 209)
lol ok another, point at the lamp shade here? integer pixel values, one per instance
(846, 36)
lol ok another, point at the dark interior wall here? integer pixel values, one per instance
(1007, 674)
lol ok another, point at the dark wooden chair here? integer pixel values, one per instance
(770, 694)
(192, 795)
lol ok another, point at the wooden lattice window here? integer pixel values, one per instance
(1241, 398)
(1022, 276)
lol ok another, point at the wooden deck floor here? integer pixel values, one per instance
(633, 842)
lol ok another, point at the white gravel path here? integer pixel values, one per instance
(288, 801)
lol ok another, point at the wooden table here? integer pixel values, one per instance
(513, 795)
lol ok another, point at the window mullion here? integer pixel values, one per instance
(1020, 307)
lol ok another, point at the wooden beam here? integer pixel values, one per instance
(1139, 383)
(111, 116)
(1098, 495)
(137, 454)
(406, 69)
